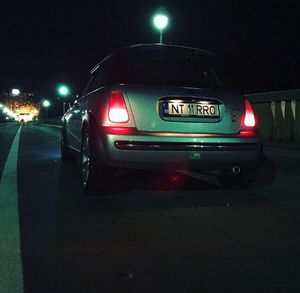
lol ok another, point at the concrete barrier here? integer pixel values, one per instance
(265, 121)
(297, 122)
(288, 122)
(53, 121)
(278, 115)
(278, 123)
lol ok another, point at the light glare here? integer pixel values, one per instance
(118, 115)
(160, 21)
(63, 90)
(15, 92)
(249, 119)
(46, 103)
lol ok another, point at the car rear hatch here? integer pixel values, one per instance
(185, 110)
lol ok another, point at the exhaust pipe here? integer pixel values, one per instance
(236, 170)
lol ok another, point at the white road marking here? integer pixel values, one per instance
(11, 277)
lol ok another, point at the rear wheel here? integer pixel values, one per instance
(64, 149)
(96, 177)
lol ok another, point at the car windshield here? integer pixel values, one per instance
(168, 69)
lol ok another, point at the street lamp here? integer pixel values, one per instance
(160, 22)
(46, 104)
(15, 92)
(5, 110)
(63, 91)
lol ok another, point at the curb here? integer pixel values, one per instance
(282, 162)
(285, 152)
(289, 146)
(8, 123)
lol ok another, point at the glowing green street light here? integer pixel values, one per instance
(46, 104)
(63, 90)
(160, 22)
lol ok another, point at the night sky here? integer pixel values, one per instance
(47, 42)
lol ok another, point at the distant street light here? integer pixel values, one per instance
(46, 104)
(160, 22)
(8, 112)
(63, 91)
(15, 92)
(5, 110)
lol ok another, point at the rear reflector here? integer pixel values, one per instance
(249, 120)
(120, 130)
(117, 111)
(247, 133)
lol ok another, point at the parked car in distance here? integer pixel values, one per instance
(155, 106)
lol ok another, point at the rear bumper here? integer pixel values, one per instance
(185, 146)
(203, 153)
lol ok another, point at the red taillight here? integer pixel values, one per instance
(117, 111)
(249, 119)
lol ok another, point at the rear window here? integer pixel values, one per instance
(165, 68)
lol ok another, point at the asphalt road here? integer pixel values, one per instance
(155, 233)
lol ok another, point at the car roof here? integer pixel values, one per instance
(157, 47)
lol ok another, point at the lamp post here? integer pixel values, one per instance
(160, 22)
(46, 104)
(63, 92)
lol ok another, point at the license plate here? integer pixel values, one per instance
(202, 109)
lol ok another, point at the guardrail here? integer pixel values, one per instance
(53, 121)
(278, 115)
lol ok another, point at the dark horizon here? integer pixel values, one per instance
(256, 43)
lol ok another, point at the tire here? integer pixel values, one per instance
(242, 180)
(65, 154)
(96, 177)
